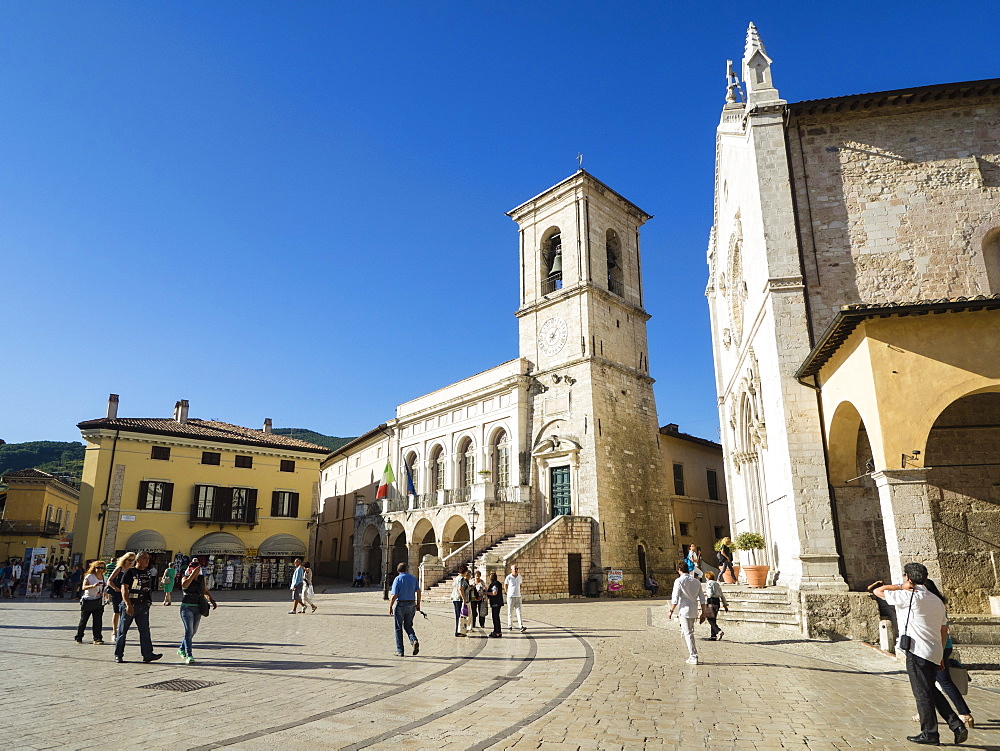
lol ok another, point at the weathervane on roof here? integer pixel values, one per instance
(579, 159)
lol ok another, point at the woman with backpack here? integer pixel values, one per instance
(194, 605)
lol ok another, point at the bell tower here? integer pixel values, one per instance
(582, 325)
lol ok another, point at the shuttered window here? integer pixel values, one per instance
(155, 495)
(284, 503)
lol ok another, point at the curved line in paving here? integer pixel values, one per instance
(461, 703)
(585, 670)
(346, 708)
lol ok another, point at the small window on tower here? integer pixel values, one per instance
(552, 262)
(685, 529)
(613, 249)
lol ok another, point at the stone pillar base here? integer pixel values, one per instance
(431, 571)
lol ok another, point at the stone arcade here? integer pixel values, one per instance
(853, 286)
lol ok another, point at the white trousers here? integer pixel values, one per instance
(514, 605)
(687, 628)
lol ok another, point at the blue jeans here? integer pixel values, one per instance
(190, 617)
(403, 615)
(140, 616)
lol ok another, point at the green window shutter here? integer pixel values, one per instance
(293, 506)
(143, 494)
(168, 496)
(274, 503)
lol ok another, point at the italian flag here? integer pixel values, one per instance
(387, 479)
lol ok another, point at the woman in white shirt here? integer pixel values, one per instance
(92, 602)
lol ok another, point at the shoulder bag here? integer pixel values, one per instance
(905, 640)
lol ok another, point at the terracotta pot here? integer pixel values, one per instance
(733, 576)
(756, 575)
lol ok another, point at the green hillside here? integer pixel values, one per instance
(64, 459)
(319, 439)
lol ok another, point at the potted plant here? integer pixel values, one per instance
(752, 542)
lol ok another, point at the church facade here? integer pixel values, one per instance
(854, 289)
(553, 459)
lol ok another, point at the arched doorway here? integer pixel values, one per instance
(963, 460)
(423, 534)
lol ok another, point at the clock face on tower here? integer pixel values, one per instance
(552, 336)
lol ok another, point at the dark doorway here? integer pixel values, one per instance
(560, 487)
(574, 562)
(642, 560)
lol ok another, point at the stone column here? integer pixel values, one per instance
(906, 516)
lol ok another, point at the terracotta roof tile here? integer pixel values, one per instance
(211, 430)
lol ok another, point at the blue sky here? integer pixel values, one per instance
(296, 210)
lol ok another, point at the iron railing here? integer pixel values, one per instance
(551, 283)
(616, 287)
(30, 527)
(427, 500)
(461, 495)
(221, 513)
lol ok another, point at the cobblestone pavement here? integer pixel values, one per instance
(586, 675)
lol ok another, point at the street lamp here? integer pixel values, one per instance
(474, 515)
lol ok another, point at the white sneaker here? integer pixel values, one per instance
(691, 660)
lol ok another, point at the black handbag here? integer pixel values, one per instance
(204, 608)
(905, 640)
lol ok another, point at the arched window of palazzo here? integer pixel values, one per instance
(613, 249)
(437, 468)
(552, 275)
(413, 467)
(467, 462)
(501, 459)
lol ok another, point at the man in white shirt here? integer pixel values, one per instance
(921, 616)
(512, 588)
(690, 598)
(16, 577)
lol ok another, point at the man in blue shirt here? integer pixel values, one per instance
(298, 580)
(406, 598)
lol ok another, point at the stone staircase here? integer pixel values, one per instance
(753, 606)
(491, 558)
(977, 639)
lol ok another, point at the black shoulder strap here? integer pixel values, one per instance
(909, 610)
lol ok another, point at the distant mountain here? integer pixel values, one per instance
(313, 437)
(64, 459)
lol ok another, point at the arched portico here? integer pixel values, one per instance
(454, 535)
(857, 510)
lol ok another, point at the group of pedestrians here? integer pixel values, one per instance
(471, 594)
(696, 602)
(303, 593)
(64, 578)
(129, 590)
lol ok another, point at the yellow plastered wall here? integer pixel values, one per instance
(900, 373)
(185, 470)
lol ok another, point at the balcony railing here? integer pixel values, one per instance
(398, 504)
(461, 495)
(551, 283)
(616, 287)
(368, 509)
(30, 527)
(427, 500)
(221, 514)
